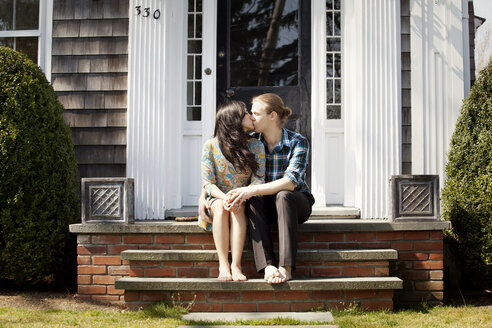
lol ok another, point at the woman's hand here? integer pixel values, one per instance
(238, 196)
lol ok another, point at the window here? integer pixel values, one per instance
(24, 27)
(194, 61)
(333, 60)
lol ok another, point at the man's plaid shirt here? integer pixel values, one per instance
(288, 159)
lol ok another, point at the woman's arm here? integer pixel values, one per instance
(208, 172)
(204, 207)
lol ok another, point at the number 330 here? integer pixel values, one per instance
(146, 12)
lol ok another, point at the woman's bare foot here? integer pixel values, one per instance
(237, 274)
(224, 274)
(271, 272)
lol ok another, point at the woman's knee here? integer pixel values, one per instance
(218, 208)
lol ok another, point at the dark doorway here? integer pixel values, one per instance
(265, 46)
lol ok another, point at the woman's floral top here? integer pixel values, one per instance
(218, 172)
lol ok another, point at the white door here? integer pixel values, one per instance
(199, 115)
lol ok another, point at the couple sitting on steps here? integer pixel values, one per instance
(259, 180)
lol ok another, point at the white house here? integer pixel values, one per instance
(375, 85)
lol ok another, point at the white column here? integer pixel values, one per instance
(157, 53)
(371, 101)
(437, 81)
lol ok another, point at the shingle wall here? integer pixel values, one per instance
(89, 74)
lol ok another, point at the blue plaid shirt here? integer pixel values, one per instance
(288, 159)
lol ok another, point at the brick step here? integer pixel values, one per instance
(255, 295)
(419, 246)
(302, 255)
(310, 263)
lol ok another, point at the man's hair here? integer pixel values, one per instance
(274, 103)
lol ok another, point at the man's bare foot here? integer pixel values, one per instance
(224, 274)
(237, 274)
(270, 273)
(285, 273)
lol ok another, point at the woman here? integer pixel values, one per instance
(231, 159)
(285, 198)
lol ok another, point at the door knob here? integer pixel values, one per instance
(208, 71)
(230, 93)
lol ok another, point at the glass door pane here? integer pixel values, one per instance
(264, 47)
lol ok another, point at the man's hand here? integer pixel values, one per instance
(203, 209)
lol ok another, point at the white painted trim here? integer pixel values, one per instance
(318, 101)
(23, 33)
(371, 72)
(209, 82)
(466, 47)
(46, 39)
(176, 47)
(437, 81)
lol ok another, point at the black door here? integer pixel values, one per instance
(265, 46)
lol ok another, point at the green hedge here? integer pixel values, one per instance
(467, 195)
(38, 179)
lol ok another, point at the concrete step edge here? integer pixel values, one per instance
(212, 284)
(332, 211)
(235, 316)
(302, 255)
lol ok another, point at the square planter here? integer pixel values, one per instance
(107, 200)
(414, 198)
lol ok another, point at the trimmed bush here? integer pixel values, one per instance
(38, 179)
(467, 194)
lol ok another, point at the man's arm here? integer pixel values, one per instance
(239, 195)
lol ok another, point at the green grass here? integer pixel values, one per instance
(163, 316)
(425, 317)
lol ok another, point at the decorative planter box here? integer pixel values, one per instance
(107, 200)
(414, 198)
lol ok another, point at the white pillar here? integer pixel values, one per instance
(437, 81)
(157, 53)
(372, 102)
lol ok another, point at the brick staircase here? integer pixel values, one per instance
(323, 279)
(372, 263)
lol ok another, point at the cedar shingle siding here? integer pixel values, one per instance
(89, 74)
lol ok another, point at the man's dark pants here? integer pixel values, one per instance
(287, 209)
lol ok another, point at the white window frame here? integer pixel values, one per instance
(43, 33)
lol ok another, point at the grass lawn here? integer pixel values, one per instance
(162, 316)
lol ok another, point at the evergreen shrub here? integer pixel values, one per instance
(467, 194)
(38, 179)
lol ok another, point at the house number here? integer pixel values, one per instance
(145, 12)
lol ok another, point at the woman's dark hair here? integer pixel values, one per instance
(233, 141)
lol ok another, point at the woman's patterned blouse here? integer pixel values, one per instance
(218, 172)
